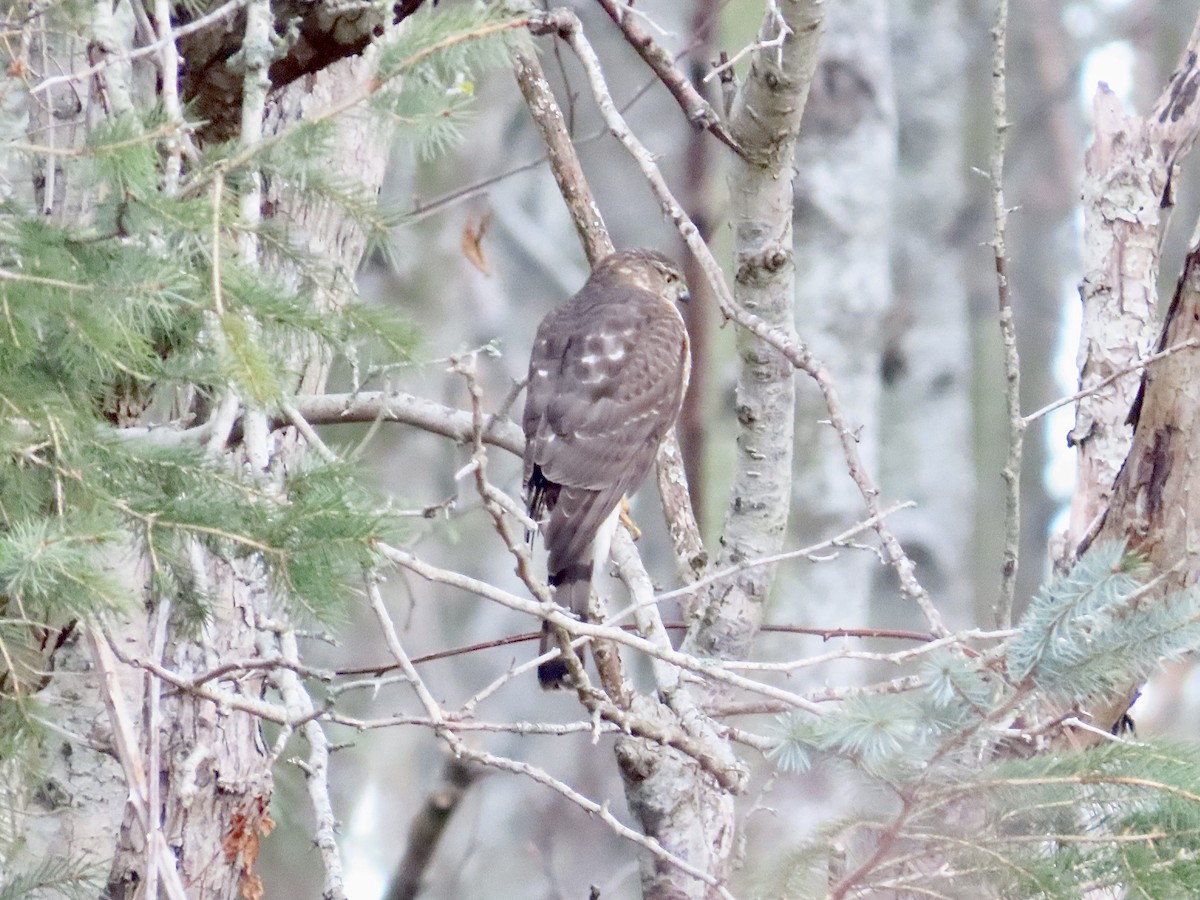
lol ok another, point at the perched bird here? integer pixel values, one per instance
(607, 376)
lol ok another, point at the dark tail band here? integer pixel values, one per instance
(572, 590)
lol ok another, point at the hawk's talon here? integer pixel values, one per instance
(627, 521)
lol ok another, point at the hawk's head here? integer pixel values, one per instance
(647, 269)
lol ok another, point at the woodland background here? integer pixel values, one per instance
(458, 242)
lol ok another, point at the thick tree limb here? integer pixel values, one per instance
(564, 163)
(1127, 186)
(1155, 507)
(397, 406)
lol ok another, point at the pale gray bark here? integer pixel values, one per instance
(213, 775)
(765, 118)
(688, 813)
(1127, 195)
(846, 162)
(926, 367)
(75, 812)
(1150, 505)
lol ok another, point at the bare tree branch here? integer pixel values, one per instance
(703, 667)
(316, 768)
(407, 409)
(564, 163)
(694, 106)
(460, 749)
(1008, 332)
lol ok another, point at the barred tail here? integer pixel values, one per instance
(572, 590)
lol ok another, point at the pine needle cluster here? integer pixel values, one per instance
(973, 804)
(1092, 630)
(121, 330)
(437, 59)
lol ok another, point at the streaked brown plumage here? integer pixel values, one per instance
(607, 376)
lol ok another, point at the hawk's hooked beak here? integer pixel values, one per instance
(685, 295)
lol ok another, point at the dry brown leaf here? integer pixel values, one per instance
(472, 241)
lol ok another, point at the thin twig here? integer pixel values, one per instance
(153, 688)
(1138, 365)
(315, 768)
(776, 43)
(703, 667)
(809, 552)
(566, 24)
(310, 435)
(1008, 332)
(698, 110)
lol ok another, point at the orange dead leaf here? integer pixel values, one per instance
(252, 888)
(472, 241)
(244, 839)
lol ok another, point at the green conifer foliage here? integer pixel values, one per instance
(972, 804)
(121, 331)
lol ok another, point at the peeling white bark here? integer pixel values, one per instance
(1126, 189)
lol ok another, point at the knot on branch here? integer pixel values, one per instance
(757, 268)
(560, 22)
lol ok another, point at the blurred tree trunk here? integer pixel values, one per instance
(846, 171)
(697, 196)
(926, 366)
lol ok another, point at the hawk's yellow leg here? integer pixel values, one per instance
(627, 521)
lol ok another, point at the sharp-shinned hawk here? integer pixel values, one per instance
(607, 376)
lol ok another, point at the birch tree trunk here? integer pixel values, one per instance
(693, 816)
(846, 163)
(926, 362)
